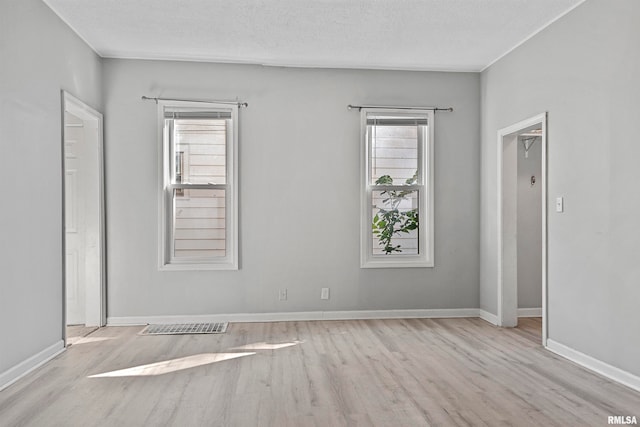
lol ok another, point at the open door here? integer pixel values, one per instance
(513, 140)
(84, 248)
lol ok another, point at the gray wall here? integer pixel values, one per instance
(299, 190)
(39, 56)
(583, 70)
(529, 223)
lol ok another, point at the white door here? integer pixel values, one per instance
(84, 214)
(74, 143)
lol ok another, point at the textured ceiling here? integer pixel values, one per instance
(450, 35)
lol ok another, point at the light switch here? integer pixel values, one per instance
(559, 204)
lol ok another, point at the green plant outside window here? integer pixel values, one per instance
(391, 221)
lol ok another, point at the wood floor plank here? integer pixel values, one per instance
(401, 372)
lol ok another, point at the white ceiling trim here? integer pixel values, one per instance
(324, 65)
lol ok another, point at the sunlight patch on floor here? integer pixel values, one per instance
(266, 346)
(86, 340)
(173, 365)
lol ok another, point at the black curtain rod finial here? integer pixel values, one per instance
(146, 98)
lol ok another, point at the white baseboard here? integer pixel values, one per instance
(595, 365)
(522, 312)
(297, 316)
(20, 370)
(530, 312)
(489, 317)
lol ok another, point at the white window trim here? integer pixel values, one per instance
(165, 260)
(425, 257)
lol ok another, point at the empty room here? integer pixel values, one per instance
(330, 213)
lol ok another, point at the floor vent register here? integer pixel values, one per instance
(186, 328)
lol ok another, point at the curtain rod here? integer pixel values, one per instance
(360, 107)
(238, 103)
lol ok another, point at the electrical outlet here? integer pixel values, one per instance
(324, 294)
(282, 295)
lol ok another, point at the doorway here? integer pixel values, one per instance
(83, 215)
(522, 221)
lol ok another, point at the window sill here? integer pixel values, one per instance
(396, 263)
(198, 267)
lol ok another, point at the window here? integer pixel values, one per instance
(198, 194)
(397, 188)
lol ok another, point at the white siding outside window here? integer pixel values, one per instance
(198, 225)
(397, 188)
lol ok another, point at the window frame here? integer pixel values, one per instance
(425, 187)
(166, 260)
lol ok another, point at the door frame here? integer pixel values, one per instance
(507, 292)
(78, 108)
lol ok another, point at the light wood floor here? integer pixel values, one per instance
(417, 372)
(76, 332)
